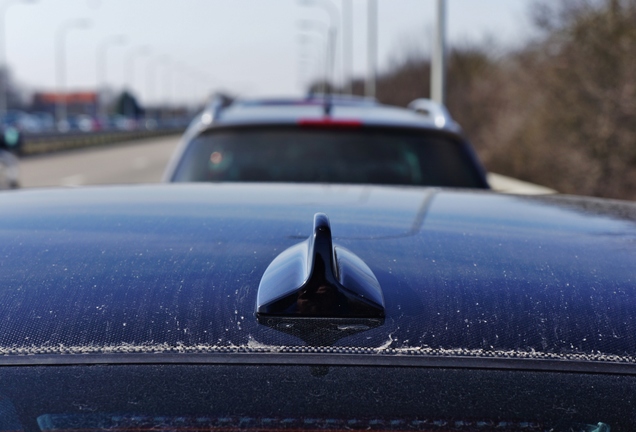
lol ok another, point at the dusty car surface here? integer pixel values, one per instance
(325, 139)
(315, 307)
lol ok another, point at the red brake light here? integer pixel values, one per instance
(328, 122)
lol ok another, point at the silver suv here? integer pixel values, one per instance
(326, 139)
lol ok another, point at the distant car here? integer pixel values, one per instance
(326, 139)
(305, 307)
(28, 122)
(46, 121)
(85, 123)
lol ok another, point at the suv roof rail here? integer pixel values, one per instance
(212, 111)
(433, 110)
(217, 104)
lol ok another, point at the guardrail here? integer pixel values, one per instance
(57, 141)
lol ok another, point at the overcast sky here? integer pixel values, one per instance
(247, 47)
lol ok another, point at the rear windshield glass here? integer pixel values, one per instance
(360, 155)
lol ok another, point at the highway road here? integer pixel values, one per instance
(133, 162)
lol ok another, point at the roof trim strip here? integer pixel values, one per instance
(308, 359)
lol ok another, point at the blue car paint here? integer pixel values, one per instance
(176, 268)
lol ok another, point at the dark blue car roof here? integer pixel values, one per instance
(176, 268)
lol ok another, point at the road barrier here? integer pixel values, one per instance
(57, 141)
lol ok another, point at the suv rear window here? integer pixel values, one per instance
(346, 155)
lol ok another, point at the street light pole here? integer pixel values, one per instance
(102, 70)
(332, 33)
(152, 66)
(347, 46)
(372, 46)
(167, 104)
(324, 31)
(151, 76)
(304, 74)
(129, 64)
(204, 83)
(177, 69)
(306, 58)
(129, 77)
(4, 64)
(192, 87)
(438, 64)
(60, 60)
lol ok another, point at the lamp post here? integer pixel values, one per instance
(102, 69)
(129, 78)
(4, 87)
(304, 40)
(182, 84)
(194, 85)
(151, 76)
(303, 64)
(60, 60)
(152, 67)
(324, 31)
(438, 66)
(167, 103)
(347, 46)
(332, 32)
(372, 47)
(129, 64)
(204, 80)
